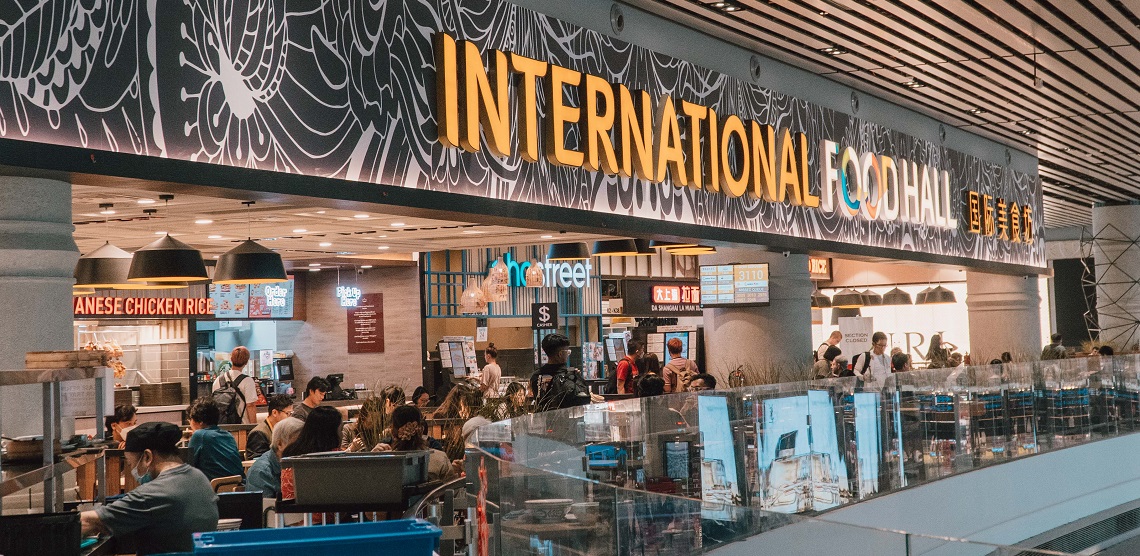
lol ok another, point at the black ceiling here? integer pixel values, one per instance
(1058, 78)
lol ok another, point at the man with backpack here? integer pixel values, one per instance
(556, 386)
(832, 340)
(235, 393)
(870, 364)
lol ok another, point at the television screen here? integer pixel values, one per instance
(605, 456)
(728, 285)
(676, 460)
(684, 337)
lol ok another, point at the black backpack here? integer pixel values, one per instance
(566, 388)
(815, 354)
(866, 359)
(226, 398)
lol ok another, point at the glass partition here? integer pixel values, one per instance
(692, 471)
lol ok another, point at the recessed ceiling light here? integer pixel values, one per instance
(382, 247)
(474, 231)
(314, 270)
(320, 212)
(545, 237)
(314, 264)
(217, 256)
(360, 216)
(325, 244)
(380, 236)
(145, 201)
(300, 231)
(204, 221)
(365, 266)
(398, 224)
(214, 237)
(160, 233)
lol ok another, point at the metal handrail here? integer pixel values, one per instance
(434, 495)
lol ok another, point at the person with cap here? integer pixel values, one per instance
(172, 502)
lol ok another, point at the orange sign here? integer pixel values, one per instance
(666, 294)
(142, 306)
(819, 268)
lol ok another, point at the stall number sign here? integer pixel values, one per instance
(349, 296)
(275, 296)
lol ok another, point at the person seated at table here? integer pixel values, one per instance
(257, 441)
(462, 403)
(120, 422)
(408, 430)
(212, 450)
(321, 433)
(265, 473)
(173, 500)
(369, 428)
(314, 394)
(420, 397)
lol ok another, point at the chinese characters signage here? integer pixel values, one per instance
(661, 298)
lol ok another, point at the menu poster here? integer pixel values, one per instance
(366, 325)
(271, 301)
(734, 284)
(230, 300)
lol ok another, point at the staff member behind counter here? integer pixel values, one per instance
(172, 501)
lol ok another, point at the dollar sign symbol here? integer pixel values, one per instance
(544, 313)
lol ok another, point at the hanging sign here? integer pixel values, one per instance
(349, 296)
(366, 324)
(544, 316)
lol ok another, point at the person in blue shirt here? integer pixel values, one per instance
(265, 473)
(213, 451)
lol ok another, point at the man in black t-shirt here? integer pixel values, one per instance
(554, 386)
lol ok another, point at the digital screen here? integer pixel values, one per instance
(734, 284)
(605, 456)
(868, 442)
(254, 301)
(676, 460)
(720, 486)
(684, 337)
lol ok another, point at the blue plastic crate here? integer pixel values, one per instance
(407, 537)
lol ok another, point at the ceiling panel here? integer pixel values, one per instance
(978, 61)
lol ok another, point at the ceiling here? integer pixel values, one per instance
(306, 235)
(1058, 78)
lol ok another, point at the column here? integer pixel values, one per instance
(37, 262)
(772, 343)
(1005, 315)
(1115, 249)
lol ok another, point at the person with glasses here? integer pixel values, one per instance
(875, 363)
(703, 381)
(257, 441)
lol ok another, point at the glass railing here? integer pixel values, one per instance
(690, 472)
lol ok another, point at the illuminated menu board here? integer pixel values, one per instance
(258, 301)
(734, 284)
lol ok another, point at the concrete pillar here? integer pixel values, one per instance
(1115, 238)
(1005, 315)
(37, 261)
(773, 343)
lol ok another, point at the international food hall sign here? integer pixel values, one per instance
(629, 133)
(483, 98)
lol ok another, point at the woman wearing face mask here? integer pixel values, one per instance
(120, 422)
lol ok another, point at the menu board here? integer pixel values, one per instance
(231, 301)
(366, 324)
(256, 301)
(271, 301)
(458, 354)
(734, 284)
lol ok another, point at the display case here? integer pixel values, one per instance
(123, 345)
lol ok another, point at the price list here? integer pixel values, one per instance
(734, 284)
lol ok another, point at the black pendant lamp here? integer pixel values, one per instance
(670, 244)
(936, 296)
(615, 248)
(692, 250)
(643, 247)
(820, 301)
(576, 251)
(250, 263)
(105, 267)
(847, 299)
(896, 297)
(871, 299)
(844, 312)
(167, 260)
